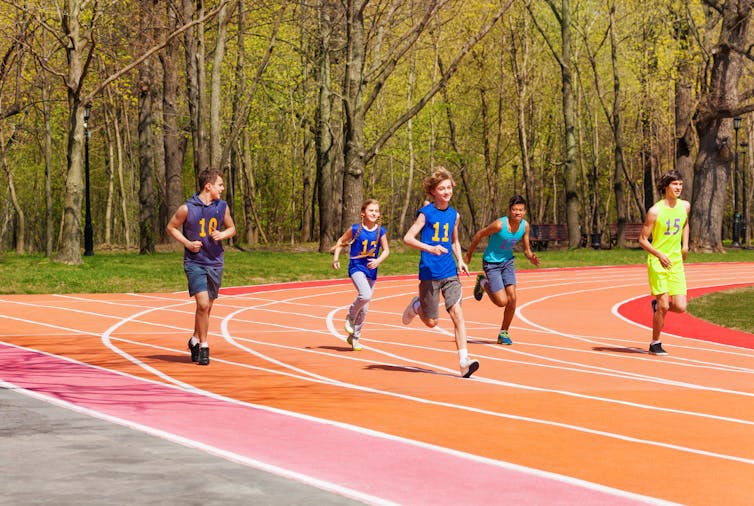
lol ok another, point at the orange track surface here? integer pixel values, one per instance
(575, 395)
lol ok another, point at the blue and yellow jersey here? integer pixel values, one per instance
(365, 247)
(438, 229)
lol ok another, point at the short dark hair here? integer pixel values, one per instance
(666, 179)
(515, 200)
(208, 176)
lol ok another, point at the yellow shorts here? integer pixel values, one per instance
(671, 281)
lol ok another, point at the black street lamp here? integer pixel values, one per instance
(736, 215)
(744, 195)
(88, 232)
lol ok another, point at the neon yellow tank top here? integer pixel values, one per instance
(668, 229)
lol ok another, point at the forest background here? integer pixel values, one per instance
(108, 110)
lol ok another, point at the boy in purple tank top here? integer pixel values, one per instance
(499, 278)
(200, 225)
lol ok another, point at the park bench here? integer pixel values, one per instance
(632, 232)
(541, 235)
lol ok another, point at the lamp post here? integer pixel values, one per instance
(88, 232)
(736, 215)
(745, 196)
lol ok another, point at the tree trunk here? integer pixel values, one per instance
(174, 142)
(147, 222)
(70, 247)
(573, 204)
(195, 84)
(215, 102)
(353, 108)
(323, 139)
(718, 104)
(617, 117)
(49, 219)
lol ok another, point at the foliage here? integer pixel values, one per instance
(478, 126)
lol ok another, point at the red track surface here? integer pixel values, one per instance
(575, 412)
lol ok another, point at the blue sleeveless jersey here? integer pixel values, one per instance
(438, 229)
(365, 247)
(500, 245)
(201, 221)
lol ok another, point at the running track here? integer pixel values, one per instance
(575, 412)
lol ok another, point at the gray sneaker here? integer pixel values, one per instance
(409, 313)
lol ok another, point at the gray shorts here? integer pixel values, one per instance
(429, 295)
(499, 274)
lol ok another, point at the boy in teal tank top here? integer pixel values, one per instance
(667, 223)
(499, 278)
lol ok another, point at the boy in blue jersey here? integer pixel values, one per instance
(200, 225)
(668, 226)
(437, 223)
(499, 278)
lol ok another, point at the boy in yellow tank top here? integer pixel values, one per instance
(667, 223)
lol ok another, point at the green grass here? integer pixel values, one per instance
(731, 308)
(118, 272)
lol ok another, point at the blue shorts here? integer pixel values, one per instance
(499, 274)
(203, 279)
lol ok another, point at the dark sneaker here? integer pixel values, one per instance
(194, 351)
(504, 338)
(478, 289)
(654, 305)
(203, 356)
(656, 349)
(468, 367)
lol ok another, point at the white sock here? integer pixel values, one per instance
(194, 341)
(463, 354)
(655, 342)
(205, 344)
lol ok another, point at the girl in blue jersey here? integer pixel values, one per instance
(368, 249)
(499, 278)
(200, 225)
(437, 224)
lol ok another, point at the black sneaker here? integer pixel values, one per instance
(654, 305)
(656, 349)
(194, 351)
(203, 356)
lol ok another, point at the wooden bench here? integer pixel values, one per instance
(631, 231)
(541, 235)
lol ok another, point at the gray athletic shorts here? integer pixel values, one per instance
(429, 295)
(499, 274)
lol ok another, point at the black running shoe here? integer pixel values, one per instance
(194, 351)
(203, 356)
(656, 349)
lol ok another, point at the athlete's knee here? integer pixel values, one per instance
(430, 322)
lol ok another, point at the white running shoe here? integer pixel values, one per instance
(469, 367)
(348, 325)
(410, 313)
(354, 342)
